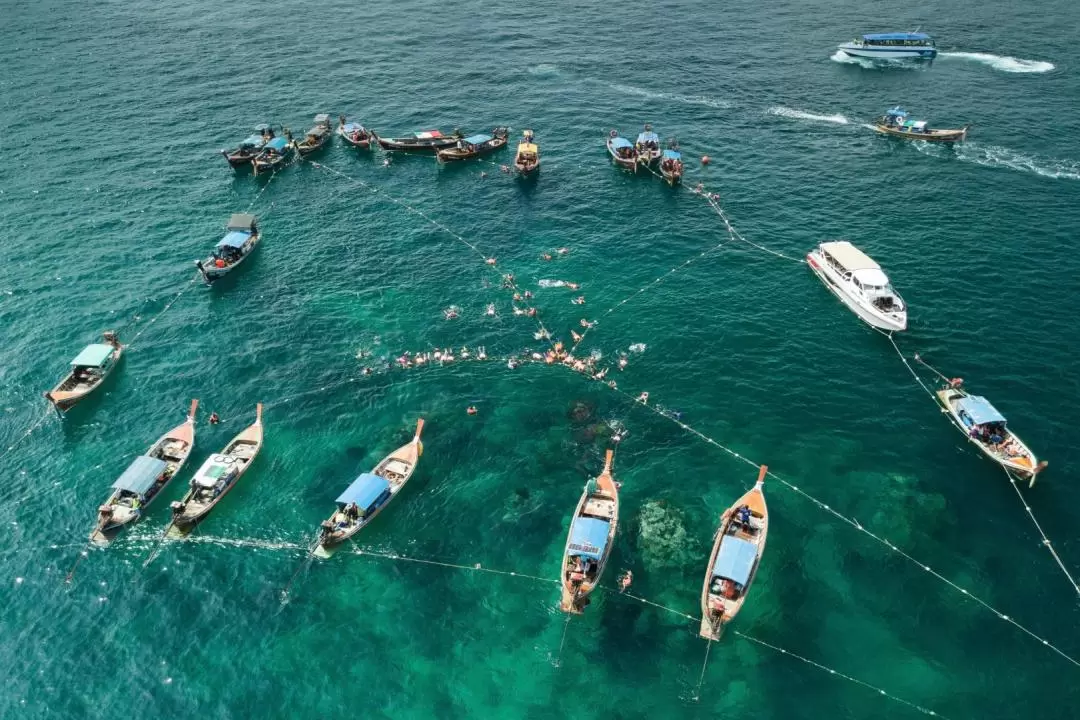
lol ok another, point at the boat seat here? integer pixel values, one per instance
(397, 467)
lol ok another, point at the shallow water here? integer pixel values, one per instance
(113, 187)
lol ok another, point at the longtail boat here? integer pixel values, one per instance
(249, 147)
(241, 237)
(369, 494)
(144, 480)
(316, 137)
(589, 542)
(274, 154)
(736, 554)
(474, 146)
(88, 371)
(527, 159)
(671, 164)
(428, 141)
(895, 123)
(354, 133)
(217, 476)
(621, 151)
(986, 428)
(647, 146)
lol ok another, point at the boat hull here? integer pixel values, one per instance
(866, 314)
(363, 143)
(454, 154)
(1025, 466)
(64, 400)
(939, 136)
(211, 272)
(416, 145)
(575, 592)
(627, 163)
(889, 53)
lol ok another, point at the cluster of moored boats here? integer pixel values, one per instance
(644, 154)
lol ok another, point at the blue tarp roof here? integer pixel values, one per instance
(735, 559)
(364, 491)
(234, 239)
(477, 139)
(252, 140)
(897, 36)
(93, 356)
(620, 142)
(648, 137)
(140, 475)
(588, 537)
(351, 126)
(277, 143)
(896, 111)
(672, 155)
(979, 410)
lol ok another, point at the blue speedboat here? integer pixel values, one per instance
(892, 46)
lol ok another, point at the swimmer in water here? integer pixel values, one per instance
(386, 162)
(518, 311)
(585, 323)
(366, 371)
(546, 256)
(580, 300)
(573, 286)
(575, 336)
(563, 251)
(471, 410)
(464, 353)
(214, 419)
(490, 312)
(481, 353)
(512, 363)
(528, 295)
(622, 362)
(505, 168)
(531, 312)
(643, 398)
(490, 261)
(611, 384)
(517, 297)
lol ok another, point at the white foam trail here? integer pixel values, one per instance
(704, 100)
(544, 70)
(801, 115)
(551, 283)
(842, 57)
(1003, 63)
(997, 156)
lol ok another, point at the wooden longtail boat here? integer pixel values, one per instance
(144, 480)
(249, 147)
(589, 542)
(647, 146)
(986, 428)
(241, 237)
(895, 123)
(317, 137)
(369, 494)
(274, 154)
(354, 133)
(474, 146)
(428, 141)
(671, 164)
(527, 159)
(88, 371)
(736, 554)
(622, 151)
(217, 476)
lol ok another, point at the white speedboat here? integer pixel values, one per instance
(891, 46)
(859, 283)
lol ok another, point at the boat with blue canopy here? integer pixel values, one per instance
(671, 164)
(736, 554)
(621, 151)
(987, 429)
(896, 123)
(892, 46)
(589, 542)
(144, 480)
(354, 133)
(241, 237)
(317, 137)
(368, 494)
(647, 147)
(249, 147)
(88, 371)
(475, 146)
(274, 154)
(215, 478)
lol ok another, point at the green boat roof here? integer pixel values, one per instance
(93, 356)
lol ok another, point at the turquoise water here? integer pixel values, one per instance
(112, 118)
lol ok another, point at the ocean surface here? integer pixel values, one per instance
(113, 114)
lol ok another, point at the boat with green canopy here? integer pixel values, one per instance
(88, 371)
(144, 480)
(369, 494)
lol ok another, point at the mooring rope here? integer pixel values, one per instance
(163, 310)
(456, 566)
(26, 433)
(1045, 540)
(731, 229)
(852, 523)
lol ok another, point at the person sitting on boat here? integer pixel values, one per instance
(743, 515)
(352, 512)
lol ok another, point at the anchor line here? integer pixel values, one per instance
(704, 665)
(1011, 477)
(26, 433)
(857, 526)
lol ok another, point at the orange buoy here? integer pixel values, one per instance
(704, 159)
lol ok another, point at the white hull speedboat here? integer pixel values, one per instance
(860, 284)
(892, 46)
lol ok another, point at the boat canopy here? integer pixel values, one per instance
(241, 221)
(646, 137)
(217, 466)
(93, 356)
(278, 144)
(871, 277)
(672, 155)
(897, 112)
(318, 131)
(234, 239)
(252, 141)
(478, 139)
(140, 475)
(979, 410)
(620, 142)
(527, 148)
(322, 119)
(735, 559)
(849, 256)
(364, 491)
(262, 127)
(351, 127)
(896, 36)
(428, 134)
(588, 537)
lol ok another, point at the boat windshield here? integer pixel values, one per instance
(898, 40)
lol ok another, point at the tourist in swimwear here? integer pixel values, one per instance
(643, 398)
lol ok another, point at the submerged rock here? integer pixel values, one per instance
(662, 536)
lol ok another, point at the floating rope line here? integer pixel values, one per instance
(731, 229)
(164, 310)
(26, 433)
(476, 568)
(1011, 477)
(856, 525)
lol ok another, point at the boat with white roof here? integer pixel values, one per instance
(859, 283)
(892, 46)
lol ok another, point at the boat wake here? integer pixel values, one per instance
(544, 70)
(703, 100)
(139, 540)
(1004, 63)
(998, 156)
(545, 283)
(801, 115)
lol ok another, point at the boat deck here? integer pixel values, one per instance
(599, 507)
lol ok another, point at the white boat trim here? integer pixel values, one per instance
(843, 268)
